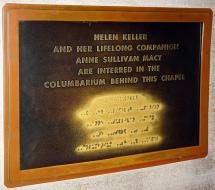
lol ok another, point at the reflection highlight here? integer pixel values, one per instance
(120, 120)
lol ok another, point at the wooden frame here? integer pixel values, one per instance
(13, 13)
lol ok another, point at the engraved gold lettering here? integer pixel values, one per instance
(88, 60)
(114, 70)
(172, 77)
(105, 37)
(134, 37)
(118, 59)
(157, 47)
(114, 48)
(62, 49)
(73, 83)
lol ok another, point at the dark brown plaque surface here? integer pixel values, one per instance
(92, 90)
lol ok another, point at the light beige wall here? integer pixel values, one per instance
(189, 175)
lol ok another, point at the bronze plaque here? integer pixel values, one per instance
(92, 90)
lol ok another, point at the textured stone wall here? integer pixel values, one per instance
(188, 175)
